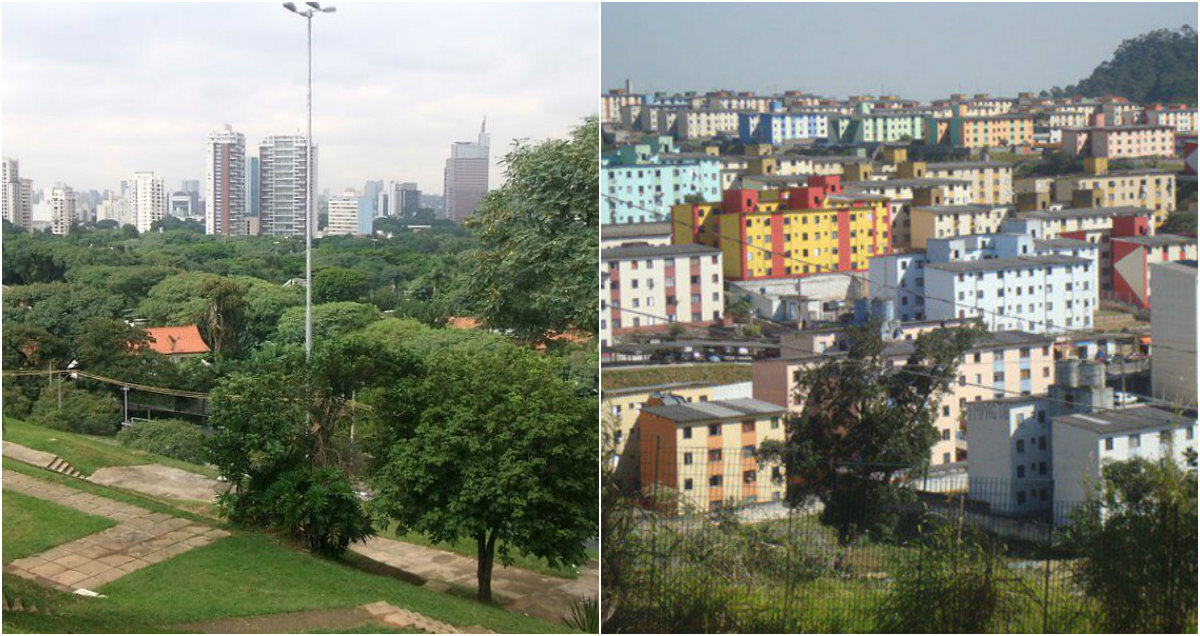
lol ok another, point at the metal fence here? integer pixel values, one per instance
(716, 540)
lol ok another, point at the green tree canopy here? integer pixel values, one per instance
(535, 272)
(329, 320)
(490, 443)
(337, 284)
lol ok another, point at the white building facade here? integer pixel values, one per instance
(288, 175)
(653, 286)
(147, 200)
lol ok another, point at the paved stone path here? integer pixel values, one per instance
(161, 481)
(382, 613)
(141, 538)
(515, 589)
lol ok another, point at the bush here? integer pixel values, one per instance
(316, 507)
(957, 583)
(172, 438)
(81, 412)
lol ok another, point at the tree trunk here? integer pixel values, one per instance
(487, 552)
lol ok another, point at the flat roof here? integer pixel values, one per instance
(715, 410)
(1120, 420)
(632, 230)
(1157, 240)
(991, 264)
(969, 208)
(643, 251)
(908, 183)
(1063, 242)
(651, 388)
(966, 165)
(1082, 213)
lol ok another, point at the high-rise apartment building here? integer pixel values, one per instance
(61, 200)
(466, 176)
(17, 196)
(253, 191)
(147, 200)
(225, 184)
(285, 172)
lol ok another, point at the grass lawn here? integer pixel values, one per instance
(466, 547)
(243, 575)
(88, 453)
(717, 373)
(149, 502)
(32, 525)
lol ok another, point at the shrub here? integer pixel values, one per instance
(319, 509)
(958, 582)
(172, 438)
(81, 412)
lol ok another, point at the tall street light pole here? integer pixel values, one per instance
(307, 14)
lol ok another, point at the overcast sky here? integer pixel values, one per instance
(919, 51)
(94, 92)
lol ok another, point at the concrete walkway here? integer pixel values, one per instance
(160, 481)
(515, 589)
(381, 613)
(141, 538)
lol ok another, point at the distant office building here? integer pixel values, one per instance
(407, 199)
(366, 216)
(466, 176)
(225, 184)
(371, 192)
(343, 214)
(192, 185)
(147, 200)
(17, 196)
(285, 176)
(253, 189)
(61, 200)
(180, 205)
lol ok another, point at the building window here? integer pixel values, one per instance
(749, 477)
(715, 481)
(1135, 440)
(1020, 446)
(687, 484)
(714, 430)
(687, 459)
(687, 432)
(748, 426)
(1020, 472)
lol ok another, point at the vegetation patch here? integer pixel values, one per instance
(88, 453)
(32, 525)
(650, 376)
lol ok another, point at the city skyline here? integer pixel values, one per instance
(918, 51)
(389, 107)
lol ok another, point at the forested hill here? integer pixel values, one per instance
(1159, 66)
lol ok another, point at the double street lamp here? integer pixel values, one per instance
(313, 9)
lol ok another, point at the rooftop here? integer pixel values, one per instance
(966, 165)
(1133, 418)
(995, 264)
(717, 410)
(961, 209)
(634, 230)
(183, 340)
(908, 183)
(1081, 213)
(653, 251)
(1063, 242)
(1158, 240)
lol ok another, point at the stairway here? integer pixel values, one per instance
(61, 467)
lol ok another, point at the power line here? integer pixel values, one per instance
(857, 276)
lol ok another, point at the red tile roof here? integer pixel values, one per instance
(183, 340)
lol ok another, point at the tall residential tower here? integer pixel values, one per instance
(284, 175)
(147, 200)
(225, 185)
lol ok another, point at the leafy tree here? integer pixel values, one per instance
(131, 283)
(1137, 541)
(176, 300)
(329, 320)
(535, 272)
(28, 260)
(492, 444)
(29, 348)
(336, 284)
(224, 314)
(60, 308)
(865, 425)
(1179, 222)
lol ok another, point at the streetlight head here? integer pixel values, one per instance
(329, 9)
(290, 6)
(315, 5)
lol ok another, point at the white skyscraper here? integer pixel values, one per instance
(17, 196)
(285, 175)
(466, 176)
(147, 200)
(61, 200)
(225, 184)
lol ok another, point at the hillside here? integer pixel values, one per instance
(1159, 66)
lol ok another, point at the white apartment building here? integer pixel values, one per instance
(701, 124)
(991, 182)
(343, 214)
(946, 221)
(1173, 332)
(287, 176)
(61, 200)
(1183, 120)
(1011, 466)
(1084, 443)
(225, 183)
(645, 286)
(17, 196)
(147, 200)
